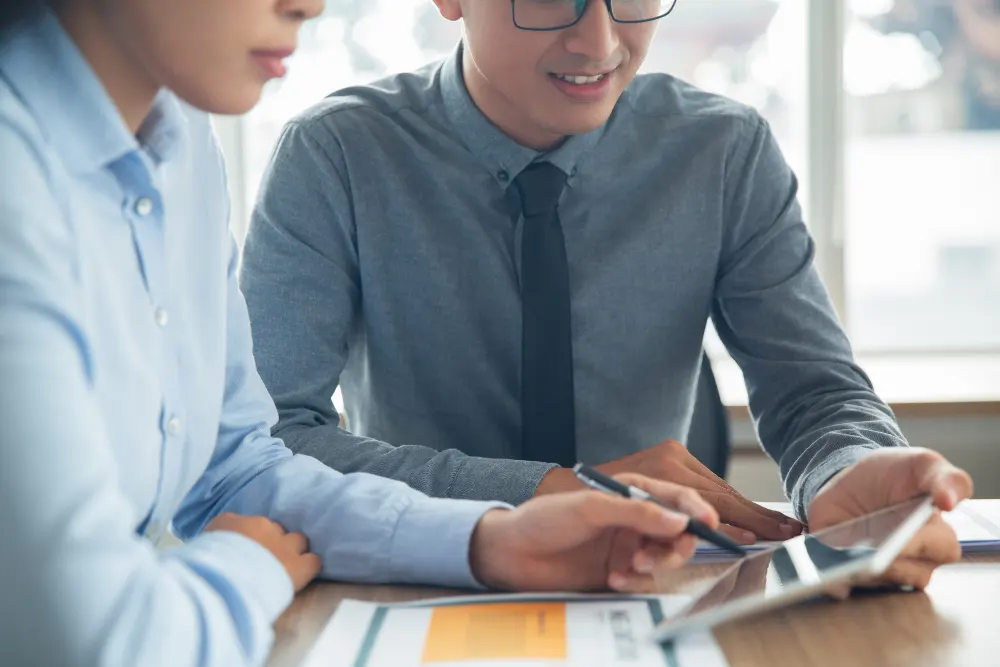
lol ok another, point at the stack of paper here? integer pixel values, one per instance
(555, 630)
(976, 522)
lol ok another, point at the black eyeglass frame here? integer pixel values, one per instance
(607, 3)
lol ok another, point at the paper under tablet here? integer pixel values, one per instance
(803, 567)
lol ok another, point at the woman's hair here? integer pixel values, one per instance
(12, 12)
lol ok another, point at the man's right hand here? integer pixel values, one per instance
(670, 461)
(291, 549)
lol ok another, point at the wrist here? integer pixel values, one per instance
(558, 480)
(487, 550)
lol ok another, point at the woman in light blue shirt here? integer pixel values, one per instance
(129, 401)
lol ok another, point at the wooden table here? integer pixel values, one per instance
(955, 623)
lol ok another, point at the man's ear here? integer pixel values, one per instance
(449, 9)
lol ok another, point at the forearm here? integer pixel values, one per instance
(834, 432)
(815, 410)
(365, 528)
(447, 474)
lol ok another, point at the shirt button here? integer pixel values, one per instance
(143, 206)
(503, 175)
(173, 426)
(161, 316)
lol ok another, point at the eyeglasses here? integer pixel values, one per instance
(559, 14)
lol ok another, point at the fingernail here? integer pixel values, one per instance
(616, 581)
(952, 497)
(788, 530)
(643, 564)
(747, 537)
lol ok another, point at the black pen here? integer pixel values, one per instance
(598, 480)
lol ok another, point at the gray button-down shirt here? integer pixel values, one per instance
(383, 256)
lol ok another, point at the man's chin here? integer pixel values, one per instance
(582, 124)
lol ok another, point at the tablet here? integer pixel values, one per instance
(803, 567)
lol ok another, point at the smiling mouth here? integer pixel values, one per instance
(581, 80)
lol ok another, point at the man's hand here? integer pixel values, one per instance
(670, 461)
(586, 540)
(291, 549)
(890, 476)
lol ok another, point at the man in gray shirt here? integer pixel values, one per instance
(529, 209)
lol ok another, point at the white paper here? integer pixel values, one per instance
(600, 631)
(976, 522)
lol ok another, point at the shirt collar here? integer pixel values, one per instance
(165, 128)
(500, 154)
(71, 106)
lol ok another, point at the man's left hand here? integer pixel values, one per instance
(890, 476)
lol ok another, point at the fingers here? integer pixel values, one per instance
(632, 583)
(685, 459)
(947, 484)
(290, 549)
(908, 572)
(600, 511)
(653, 558)
(717, 484)
(698, 467)
(839, 591)
(671, 461)
(740, 535)
(302, 565)
(312, 564)
(732, 507)
(302, 569)
(624, 549)
(298, 542)
(256, 527)
(656, 556)
(934, 545)
(936, 542)
(736, 513)
(685, 499)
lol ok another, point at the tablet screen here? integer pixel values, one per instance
(810, 560)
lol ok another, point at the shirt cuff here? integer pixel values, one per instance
(510, 481)
(813, 482)
(431, 542)
(253, 571)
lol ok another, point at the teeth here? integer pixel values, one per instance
(580, 80)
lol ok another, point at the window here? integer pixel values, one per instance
(922, 233)
(888, 110)
(353, 42)
(749, 50)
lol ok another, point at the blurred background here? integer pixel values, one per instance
(889, 111)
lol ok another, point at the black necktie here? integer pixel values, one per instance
(548, 430)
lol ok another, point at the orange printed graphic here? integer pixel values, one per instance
(509, 630)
